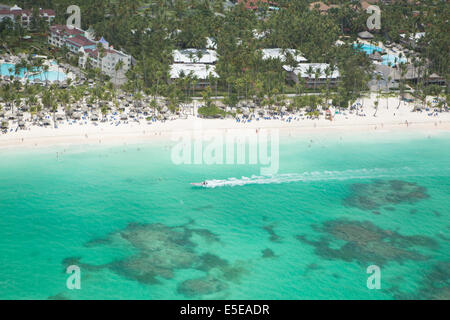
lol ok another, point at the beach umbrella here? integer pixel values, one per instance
(76, 116)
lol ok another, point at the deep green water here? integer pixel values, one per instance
(129, 218)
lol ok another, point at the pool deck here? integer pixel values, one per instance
(387, 51)
(31, 77)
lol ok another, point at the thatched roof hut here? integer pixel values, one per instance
(365, 35)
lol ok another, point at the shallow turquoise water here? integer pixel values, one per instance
(310, 238)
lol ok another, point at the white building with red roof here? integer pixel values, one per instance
(59, 34)
(82, 43)
(24, 17)
(106, 60)
(74, 44)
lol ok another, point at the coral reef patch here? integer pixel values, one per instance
(372, 196)
(366, 243)
(435, 285)
(160, 250)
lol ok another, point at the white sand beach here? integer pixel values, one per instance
(388, 118)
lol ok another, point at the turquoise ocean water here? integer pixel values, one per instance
(127, 216)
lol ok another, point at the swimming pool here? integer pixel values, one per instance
(367, 48)
(8, 70)
(392, 59)
(388, 59)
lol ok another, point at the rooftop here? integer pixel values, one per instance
(60, 29)
(281, 54)
(415, 37)
(303, 68)
(81, 41)
(199, 70)
(365, 35)
(16, 11)
(194, 56)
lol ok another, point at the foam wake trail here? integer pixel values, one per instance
(318, 176)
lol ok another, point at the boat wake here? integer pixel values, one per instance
(374, 173)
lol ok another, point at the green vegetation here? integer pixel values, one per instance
(150, 30)
(211, 112)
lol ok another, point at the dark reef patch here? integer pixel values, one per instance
(201, 286)
(273, 236)
(312, 267)
(97, 242)
(209, 261)
(160, 250)
(365, 243)
(436, 213)
(435, 285)
(69, 261)
(59, 296)
(372, 196)
(205, 234)
(268, 253)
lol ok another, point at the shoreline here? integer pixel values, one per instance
(105, 135)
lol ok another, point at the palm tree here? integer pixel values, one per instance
(316, 76)
(100, 56)
(387, 96)
(119, 65)
(45, 69)
(310, 72)
(378, 77)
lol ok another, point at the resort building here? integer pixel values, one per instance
(392, 76)
(282, 54)
(98, 54)
(24, 17)
(314, 74)
(195, 63)
(74, 44)
(106, 59)
(202, 73)
(413, 39)
(190, 56)
(59, 35)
